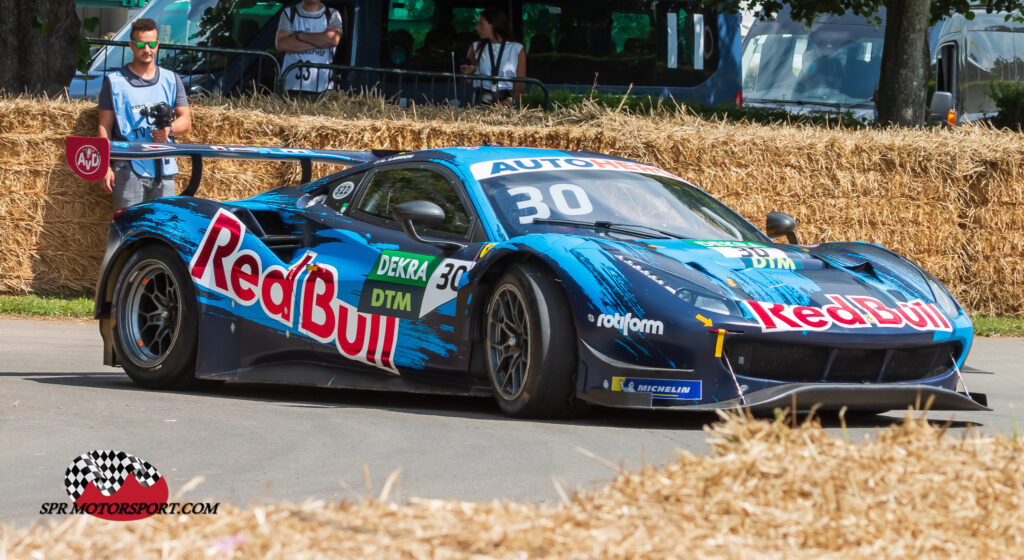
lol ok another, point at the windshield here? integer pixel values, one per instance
(181, 22)
(646, 203)
(829, 64)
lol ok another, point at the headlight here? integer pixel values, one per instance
(942, 297)
(708, 302)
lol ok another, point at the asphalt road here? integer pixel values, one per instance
(255, 443)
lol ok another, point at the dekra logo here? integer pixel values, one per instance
(403, 268)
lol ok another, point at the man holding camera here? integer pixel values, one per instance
(142, 102)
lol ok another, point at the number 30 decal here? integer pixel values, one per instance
(557, 194)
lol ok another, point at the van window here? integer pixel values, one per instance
(829, 64)
(990, 58)
(566, 41)
(617, 43)
(193, 22)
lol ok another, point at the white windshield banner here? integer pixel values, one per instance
(497, 168)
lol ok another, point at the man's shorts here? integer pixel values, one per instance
(131, 188)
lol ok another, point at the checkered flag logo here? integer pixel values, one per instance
(107, 469)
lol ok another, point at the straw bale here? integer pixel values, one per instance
(949, 200)
(766, 490)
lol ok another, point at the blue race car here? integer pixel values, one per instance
(549, 279)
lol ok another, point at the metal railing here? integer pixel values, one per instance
(458, 83)
(202, 69)
(222, 70)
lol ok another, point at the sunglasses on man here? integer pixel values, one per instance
(142, 44)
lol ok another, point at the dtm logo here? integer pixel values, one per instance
(115, 485)
(87, 159)
(628, 323)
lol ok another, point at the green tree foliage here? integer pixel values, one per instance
(904, 77)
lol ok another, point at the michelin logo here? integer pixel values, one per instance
(659, 388)
(628, 323)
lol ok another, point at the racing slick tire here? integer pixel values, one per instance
(155, 319)
(530, 345)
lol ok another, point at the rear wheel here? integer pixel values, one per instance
(530, 344)
(155, 313)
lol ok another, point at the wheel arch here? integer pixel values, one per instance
(481, 279)
(108, 276)
(107, 282)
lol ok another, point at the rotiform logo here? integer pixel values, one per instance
(628, 323)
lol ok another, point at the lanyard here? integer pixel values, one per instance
(494, 65)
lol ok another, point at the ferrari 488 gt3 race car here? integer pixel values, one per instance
(547, 278)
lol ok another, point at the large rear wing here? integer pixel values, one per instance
(90, 157)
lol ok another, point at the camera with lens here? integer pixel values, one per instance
(486, 96)
(158, 115)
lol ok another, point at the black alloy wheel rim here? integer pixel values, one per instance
(149, 321)
(508, 342)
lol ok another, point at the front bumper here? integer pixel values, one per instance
(608, 382)
(803, 397)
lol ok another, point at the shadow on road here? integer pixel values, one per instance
(475, 408)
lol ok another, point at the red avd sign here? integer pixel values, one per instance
(88, 156)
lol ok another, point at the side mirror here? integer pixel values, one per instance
(778, 224)
(942, 104)
(424, 214)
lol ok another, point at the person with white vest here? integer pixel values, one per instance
(495, 55)
(308, 32)
(142, 102)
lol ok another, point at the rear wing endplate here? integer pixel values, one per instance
(90, 157)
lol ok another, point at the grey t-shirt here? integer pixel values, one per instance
(106, 100)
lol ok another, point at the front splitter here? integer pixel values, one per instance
(805, 396)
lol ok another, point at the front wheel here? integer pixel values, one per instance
(531, 344)
(155, 320)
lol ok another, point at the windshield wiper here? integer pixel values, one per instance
(631, 229)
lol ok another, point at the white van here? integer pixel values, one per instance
(833, 66)
(830, 67)
(970, 56)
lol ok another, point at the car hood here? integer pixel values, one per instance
(773, 273)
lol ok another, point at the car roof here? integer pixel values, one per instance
(466, 156)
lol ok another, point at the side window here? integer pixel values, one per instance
(407, 25)
(340, 193)
(390, 187)
(663, 43)
(421, 36)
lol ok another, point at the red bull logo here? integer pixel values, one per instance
(849, 312)
(222, 266)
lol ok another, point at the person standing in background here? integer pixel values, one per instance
(129, 99)
(495, 55)
(308, 32)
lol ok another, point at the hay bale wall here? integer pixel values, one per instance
(951, 201)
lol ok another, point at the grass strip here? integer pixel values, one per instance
(46, 306)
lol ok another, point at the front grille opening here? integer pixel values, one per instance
(921, 363)
(854, 365)
(800, 363)
(781, 362)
